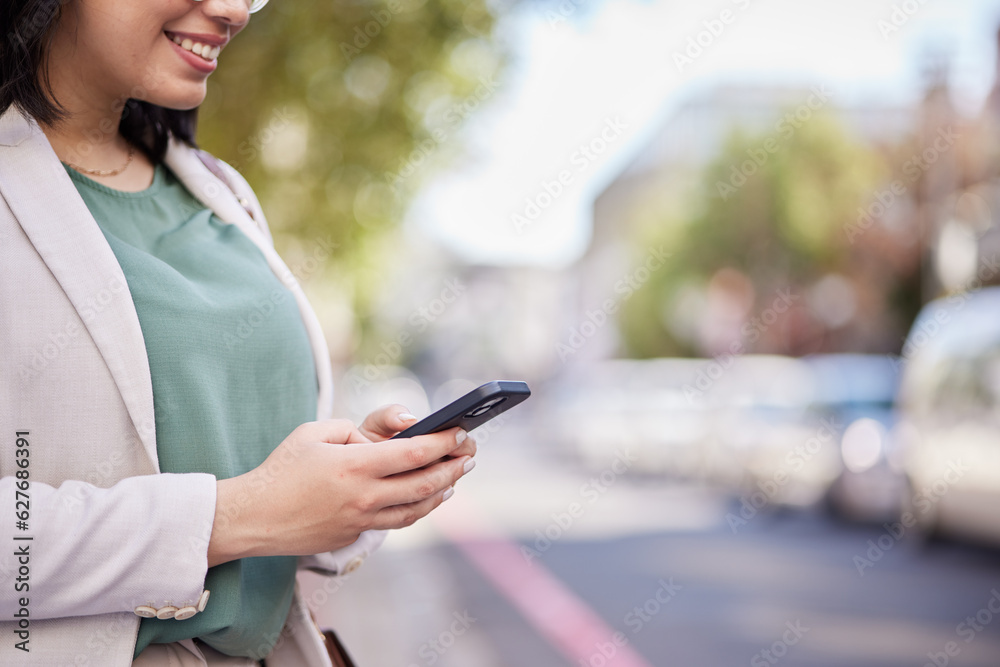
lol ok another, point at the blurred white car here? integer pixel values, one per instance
(858, 391)
(740, 422)
(637, 404)
(950, 397)
(786, 448)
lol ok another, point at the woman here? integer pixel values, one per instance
(164, 471)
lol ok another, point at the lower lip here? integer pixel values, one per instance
(195, 61)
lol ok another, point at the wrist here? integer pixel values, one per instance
(238, 530)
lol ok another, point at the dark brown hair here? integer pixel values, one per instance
(26, 28)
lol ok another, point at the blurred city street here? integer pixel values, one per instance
(663, 564)
(744, 254)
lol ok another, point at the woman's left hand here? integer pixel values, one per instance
(387, 421)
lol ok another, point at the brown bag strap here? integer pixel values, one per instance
(338, 654)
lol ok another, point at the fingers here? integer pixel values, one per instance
(405, 514)
(401, 516)
(398, 456)
(385, 422)
(467, 448)
(417, 485)
(333, 431)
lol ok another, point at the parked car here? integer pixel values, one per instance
(777, 443)
(857, 392)
(740, 423)
(950, 395)
(637, 404)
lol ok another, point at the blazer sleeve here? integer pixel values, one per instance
(91, 550)
(116, 536)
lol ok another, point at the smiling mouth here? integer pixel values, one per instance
(206, 51)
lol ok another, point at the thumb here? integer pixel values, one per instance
(333, 431)
(386, 422)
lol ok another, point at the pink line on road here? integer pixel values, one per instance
(558, 614)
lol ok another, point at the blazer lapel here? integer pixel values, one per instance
(208, 189)
(66, 236)
(56, 220)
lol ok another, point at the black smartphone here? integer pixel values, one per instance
(474, 409)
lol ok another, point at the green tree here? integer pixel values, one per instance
(773, 207)
(322, 104)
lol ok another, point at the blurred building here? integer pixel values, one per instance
(532, 323)
(939, 232)
(673, 163)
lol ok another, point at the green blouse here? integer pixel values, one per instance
(233, 374)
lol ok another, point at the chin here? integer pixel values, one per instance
(187, 106)
(180, 102)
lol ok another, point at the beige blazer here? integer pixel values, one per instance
(107, 532)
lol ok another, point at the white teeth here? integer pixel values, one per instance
(206, 51)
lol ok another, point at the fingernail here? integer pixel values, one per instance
(461, 436)
(448, 493)
(406, 417)
(469, 465)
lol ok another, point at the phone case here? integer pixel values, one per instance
(474, 409)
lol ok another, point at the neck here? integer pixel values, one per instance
(88, 134)
(88, 138)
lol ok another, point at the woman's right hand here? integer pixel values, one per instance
(308, 497)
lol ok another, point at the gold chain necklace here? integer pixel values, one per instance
(105, 172)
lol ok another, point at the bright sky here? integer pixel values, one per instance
(612, 63)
